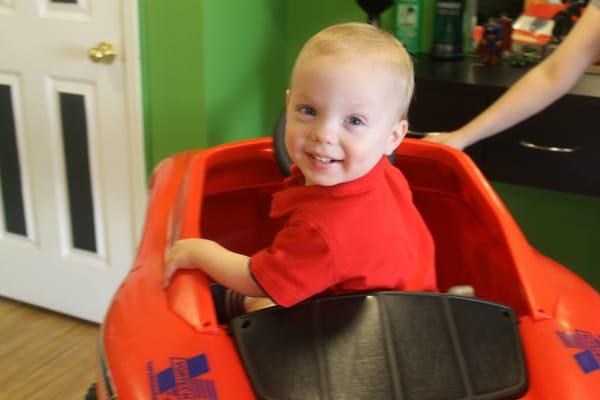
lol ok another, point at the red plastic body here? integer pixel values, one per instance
(223, 193)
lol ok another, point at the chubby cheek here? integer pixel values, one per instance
(293, 145)
(361, 158)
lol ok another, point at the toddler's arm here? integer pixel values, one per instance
(228, 268)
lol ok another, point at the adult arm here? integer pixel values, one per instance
(538, 88)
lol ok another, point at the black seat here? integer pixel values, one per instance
(386, 345)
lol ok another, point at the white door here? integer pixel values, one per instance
(71, 153)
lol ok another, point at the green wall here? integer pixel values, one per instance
(172, 77)
(562, 226)
(215, 72)
(243, 45)
(212, 72)
(305, 18)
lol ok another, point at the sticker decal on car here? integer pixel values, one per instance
(183, 379)
(589, 358)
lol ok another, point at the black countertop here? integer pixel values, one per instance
(468, 71)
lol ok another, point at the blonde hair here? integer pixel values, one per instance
(363, 40)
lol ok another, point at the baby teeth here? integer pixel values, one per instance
(323, 159)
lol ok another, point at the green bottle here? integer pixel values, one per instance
(448, 30)
(414, 20)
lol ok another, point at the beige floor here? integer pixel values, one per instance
(44, 355)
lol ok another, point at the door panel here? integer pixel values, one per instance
(16, 216)
(79, 195)
(69, 168)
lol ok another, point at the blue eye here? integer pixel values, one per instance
(307, 110)
(356, 121)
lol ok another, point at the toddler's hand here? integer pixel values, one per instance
(180, 256)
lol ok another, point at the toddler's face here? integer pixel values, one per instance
(342, 117)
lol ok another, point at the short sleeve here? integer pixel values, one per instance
(297, 265)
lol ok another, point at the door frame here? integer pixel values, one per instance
(134, 101)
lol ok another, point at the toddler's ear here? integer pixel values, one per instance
(398, 132)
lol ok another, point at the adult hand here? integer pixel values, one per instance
(452, 139)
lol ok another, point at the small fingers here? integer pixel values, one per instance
(169, 267)
(168, 274)
(177, 257)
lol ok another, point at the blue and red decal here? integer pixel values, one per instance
(589, 358)
(184, 379)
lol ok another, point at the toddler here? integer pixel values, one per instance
(350, 224)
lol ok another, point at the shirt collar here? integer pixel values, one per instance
(296, 194)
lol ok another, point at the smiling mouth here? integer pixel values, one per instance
(324, 160)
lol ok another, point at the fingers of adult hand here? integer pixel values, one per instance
(436, 137)
(447, 139)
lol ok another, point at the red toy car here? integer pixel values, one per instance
(161, 343)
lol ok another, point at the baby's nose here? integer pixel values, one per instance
(323, 134)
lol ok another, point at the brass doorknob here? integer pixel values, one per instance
(103, 53)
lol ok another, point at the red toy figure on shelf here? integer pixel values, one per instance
(490, 46)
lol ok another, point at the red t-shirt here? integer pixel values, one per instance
(356, 236)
